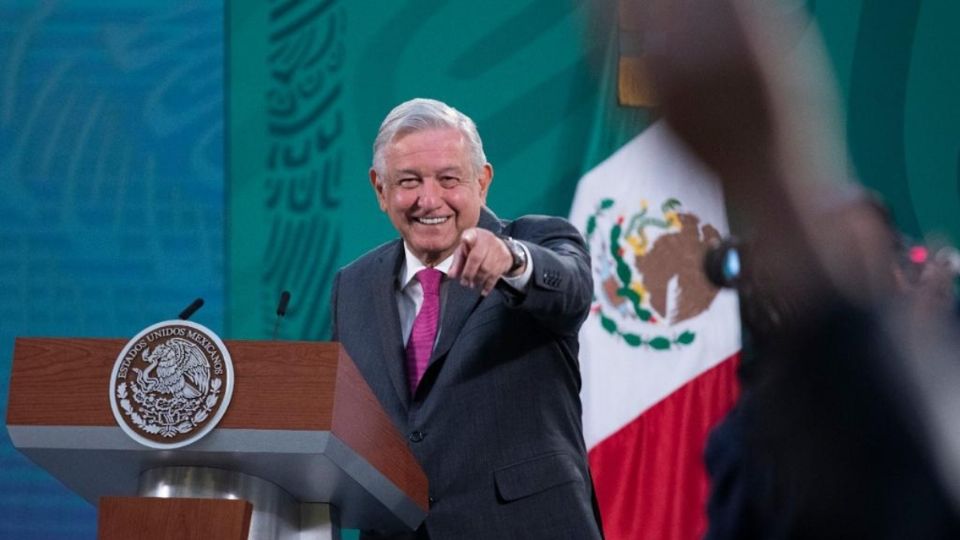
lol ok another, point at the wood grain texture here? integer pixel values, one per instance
(282, 385)
(61, 381)
(149, 518)
(386, 450)
(278, 385)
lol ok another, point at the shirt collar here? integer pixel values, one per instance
(412, 265)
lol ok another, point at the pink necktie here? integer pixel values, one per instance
(424, 331)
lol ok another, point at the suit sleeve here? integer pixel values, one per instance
(561, 287)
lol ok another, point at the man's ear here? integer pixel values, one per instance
(485, 178)
(378, 185)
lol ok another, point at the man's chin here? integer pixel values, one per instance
(431, 254)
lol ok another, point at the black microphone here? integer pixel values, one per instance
(281, 311)
(282, 306)
(191, 309)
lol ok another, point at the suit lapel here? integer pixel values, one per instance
(459, 304)
(384, 286)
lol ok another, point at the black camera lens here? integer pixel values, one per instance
(722, 263)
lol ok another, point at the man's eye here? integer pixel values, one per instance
(408, 183)
(449, 181)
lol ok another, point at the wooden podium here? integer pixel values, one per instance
(303, 430)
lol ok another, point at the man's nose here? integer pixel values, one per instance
(429, 193)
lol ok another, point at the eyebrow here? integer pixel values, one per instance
(416, 172)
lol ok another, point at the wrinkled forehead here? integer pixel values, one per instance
(432, 134)
(442, 147)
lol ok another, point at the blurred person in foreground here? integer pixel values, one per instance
(466, 329)
(847, 431)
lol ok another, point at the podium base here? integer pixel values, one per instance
(277, 515)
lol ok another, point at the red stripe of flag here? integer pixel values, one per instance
(650, 477)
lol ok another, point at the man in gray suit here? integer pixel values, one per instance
(466, 330)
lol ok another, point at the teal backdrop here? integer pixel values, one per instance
(119, 120)
(111, 193)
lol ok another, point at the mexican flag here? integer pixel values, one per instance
(660, 349)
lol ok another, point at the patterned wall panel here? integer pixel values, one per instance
(293, 170)
(304, 159)
(111, 193)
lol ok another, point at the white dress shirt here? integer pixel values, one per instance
(410, 292)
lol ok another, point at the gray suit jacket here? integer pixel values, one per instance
(496, 419)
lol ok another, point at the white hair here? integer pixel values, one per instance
(420, 114)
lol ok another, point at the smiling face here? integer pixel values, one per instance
(431, 191)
